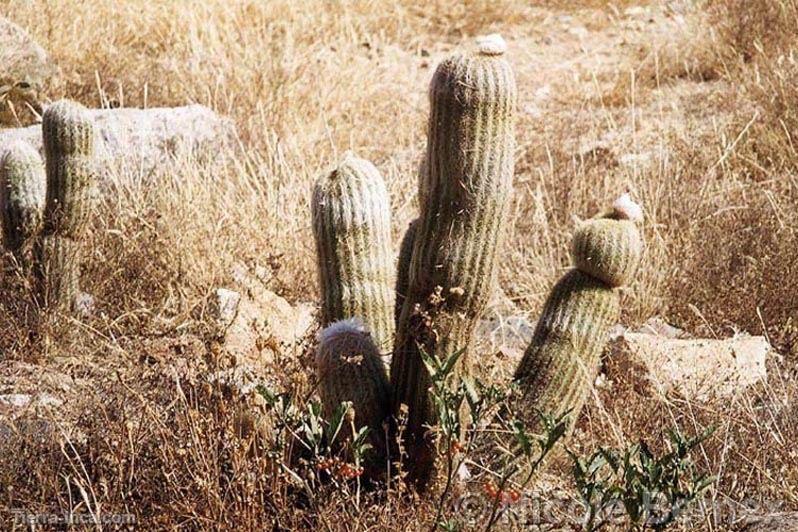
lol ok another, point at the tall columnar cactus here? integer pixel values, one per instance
(22, 190)
(464, 193)
(561, 362)
(349, 368)
(403, 268)
(69, 150)
(352, 227)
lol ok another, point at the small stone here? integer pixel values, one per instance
(84, 304)
(225, 307)
(17, 400)
(510, 335)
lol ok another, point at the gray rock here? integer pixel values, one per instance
(15, 400)
(224, 307)
(509, 335)
(142, 140)
(23, 60)
(84, 304)
(697, 368)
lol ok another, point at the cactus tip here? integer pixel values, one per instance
(626, 209)
(340, 327)
(493, 44)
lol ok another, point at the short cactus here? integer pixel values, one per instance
(403, 268)
(69, 149)
(464, 192)
(561, 362)
(349, 368)
(22, 195)
(352, 227)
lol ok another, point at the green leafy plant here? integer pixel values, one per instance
(520, 453)
(652, 490)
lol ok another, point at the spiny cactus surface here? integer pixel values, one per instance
(464, 191)
(352, 228)
(22, 195)
(403, 268)
(561, 362)
(608, 246)
(69, 149)
(349, 368)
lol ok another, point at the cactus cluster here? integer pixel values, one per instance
(447, 267)
(47, 207)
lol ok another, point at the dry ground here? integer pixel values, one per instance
(689, 107)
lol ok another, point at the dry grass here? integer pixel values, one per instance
(700, 132)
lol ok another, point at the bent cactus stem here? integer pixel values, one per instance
(561, 363)
(22, 196)
(71, 174)
(562, 359)
(465, 189)
(352, 227)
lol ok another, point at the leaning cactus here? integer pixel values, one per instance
(69, 150)
(403, 268)
(22, 189)
(562, 361)
(349, 368)
(464, 192)
(352, 227)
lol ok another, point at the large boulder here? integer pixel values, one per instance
(23, 60)
(696, 368)
(141, 140)
(24, 70)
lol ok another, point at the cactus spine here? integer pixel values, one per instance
(403, 268)
(561, 362)
(464, 192)
(349, 368)
(22, 195)
(352, 228)
(69, 149)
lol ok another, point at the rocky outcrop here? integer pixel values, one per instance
(255, 324)
(697, 368)
(25, 69)
(23, 60)
(138, 141)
